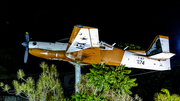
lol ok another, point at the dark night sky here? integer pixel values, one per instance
(125, 21)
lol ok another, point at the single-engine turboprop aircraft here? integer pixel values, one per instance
(84, 45)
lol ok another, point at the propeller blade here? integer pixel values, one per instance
(25, 44)
(27, 37)
(26, 55)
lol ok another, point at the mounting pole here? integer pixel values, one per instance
(77, 75)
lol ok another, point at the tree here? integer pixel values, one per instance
(165, 96)
(47, 88)
(106, 83)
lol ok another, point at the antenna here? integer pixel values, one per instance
(113, 44)
(126, 47)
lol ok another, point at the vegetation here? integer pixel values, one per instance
(130, 46)
(47, 88)
(165, 96)
(101, 84)
(106, 84)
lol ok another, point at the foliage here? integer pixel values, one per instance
(47, 88)
(131, 46)
(105, 83)
(150, 83)
(165, 96)
(87, 91)
(111, 78)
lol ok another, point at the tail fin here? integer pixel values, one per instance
(159, 48)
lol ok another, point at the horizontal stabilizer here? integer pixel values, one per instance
(162, 56)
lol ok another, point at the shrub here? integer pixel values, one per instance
(47, 88)
(165, 96)
(106, 84)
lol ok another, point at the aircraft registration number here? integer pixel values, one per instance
(140, 60)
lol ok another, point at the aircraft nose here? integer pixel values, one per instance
(25, 44)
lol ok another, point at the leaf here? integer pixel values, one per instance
(120, 46)
(23, 86)
(112, 68)
(126, 44)
(132, 80)
(99, 88)
(127, 71)
(95, 66)
(77, 95)
(92, 71)
(73, 96)
(1, 84)
(88, 83)
(106, 68)
(110, 81)
(20, 74)
(166, 92)
(124, 82)
(106, 87)
(106, 76)
(6, 87)
(88, 75)
(138, 47)
(43, 65)
(83, 96)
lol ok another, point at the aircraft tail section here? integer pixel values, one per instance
(157, 56)
(159, 49)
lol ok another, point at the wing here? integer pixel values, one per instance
(83, 38)
(84, 45)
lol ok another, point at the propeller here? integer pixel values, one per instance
(26, 44)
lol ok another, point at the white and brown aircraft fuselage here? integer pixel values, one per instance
(84, 45)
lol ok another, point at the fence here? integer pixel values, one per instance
(12, 98)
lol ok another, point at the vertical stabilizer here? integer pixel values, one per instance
(159, 49)
(160, 44)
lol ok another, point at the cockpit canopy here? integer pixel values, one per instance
(105, 46)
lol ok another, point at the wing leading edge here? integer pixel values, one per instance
(84, 45)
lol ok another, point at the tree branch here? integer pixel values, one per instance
(22, 97)
(51, 89)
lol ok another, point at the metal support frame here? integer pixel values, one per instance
(77, 75)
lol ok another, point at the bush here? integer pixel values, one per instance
(106, 84)
(47, 88)
(165, 96)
